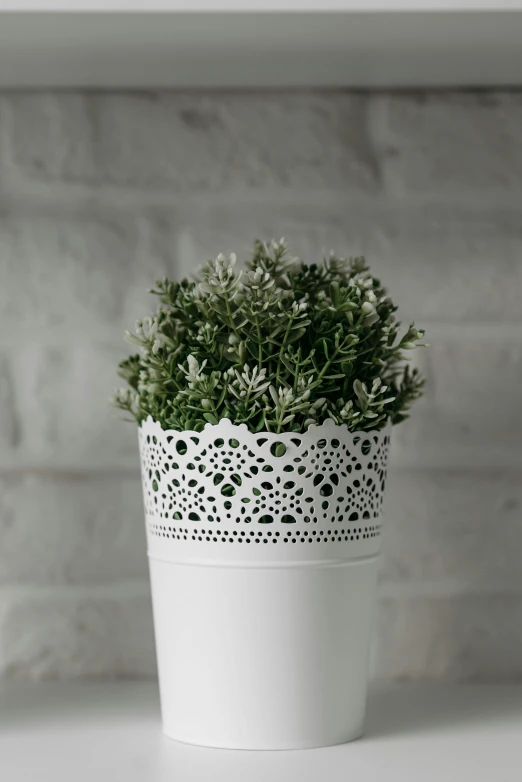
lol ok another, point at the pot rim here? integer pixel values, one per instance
(212, 497)
(316, 430)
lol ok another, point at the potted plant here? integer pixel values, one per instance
(264, 401)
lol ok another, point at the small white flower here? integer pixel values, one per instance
(194, 370)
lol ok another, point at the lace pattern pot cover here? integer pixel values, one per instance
(228, 494)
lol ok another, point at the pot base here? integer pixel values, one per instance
(284, 747)
(263, 657)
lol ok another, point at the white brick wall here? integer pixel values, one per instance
(101, 193)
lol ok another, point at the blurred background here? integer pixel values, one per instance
(103, 191)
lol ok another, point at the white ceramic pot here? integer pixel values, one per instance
(263, 561)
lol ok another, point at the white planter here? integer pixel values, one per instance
(263, 600)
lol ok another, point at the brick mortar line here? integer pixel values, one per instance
(407, 590)
(457, 330)
(140, 588)
(74, 473)
(27, 192)
(453, 460)
(398, 466)
(69, 592)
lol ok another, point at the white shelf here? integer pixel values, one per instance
(429, 46)
(107, 731)
(263, 6)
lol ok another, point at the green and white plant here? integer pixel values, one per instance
(278, 347)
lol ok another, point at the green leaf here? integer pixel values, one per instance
(335, 293)
(231, 321)
(295, 335)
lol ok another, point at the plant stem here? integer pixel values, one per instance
(281, 350)
(260, 344)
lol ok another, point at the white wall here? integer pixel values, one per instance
(102, 193)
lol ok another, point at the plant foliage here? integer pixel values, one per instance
(278, 347)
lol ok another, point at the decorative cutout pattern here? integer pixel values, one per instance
(221, 535)
(226, 484)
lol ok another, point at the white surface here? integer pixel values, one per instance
(258, 5)
(108, 731)
(355, 49)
